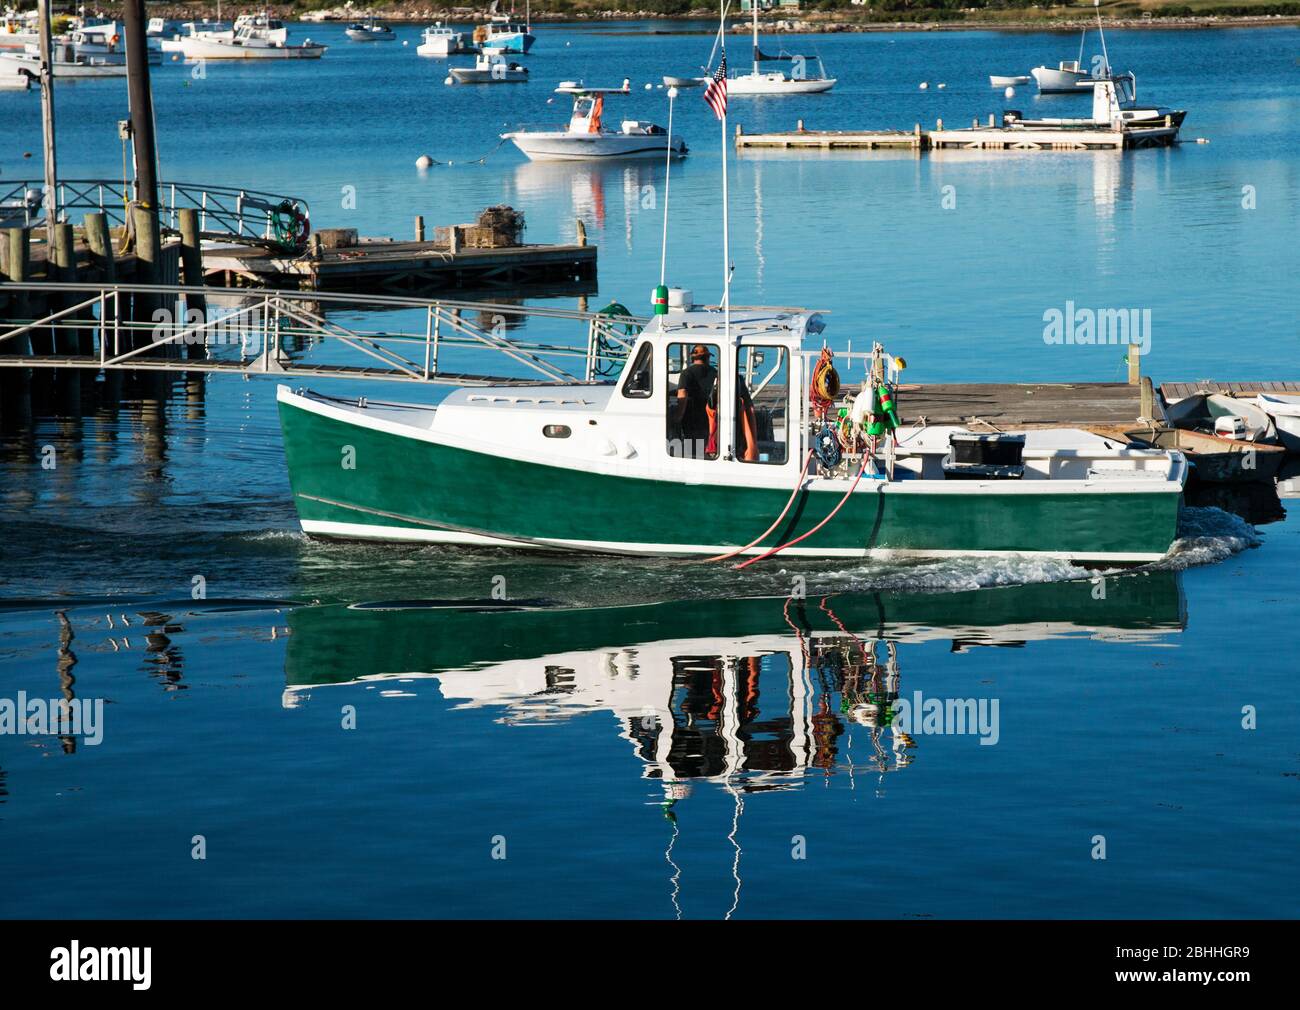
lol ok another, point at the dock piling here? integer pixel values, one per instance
(419, 227)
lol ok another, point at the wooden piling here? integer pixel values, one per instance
(62, 266)
(196, 306)
(1134, 364)
(419, 227)
(15, 402)
(99, 243)
(148, 255)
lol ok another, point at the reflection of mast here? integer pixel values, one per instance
(66, 661)
(758, 220)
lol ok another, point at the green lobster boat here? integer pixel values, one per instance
(721, 437)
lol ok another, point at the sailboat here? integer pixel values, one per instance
(777, 82)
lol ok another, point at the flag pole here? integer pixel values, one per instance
(726, 202)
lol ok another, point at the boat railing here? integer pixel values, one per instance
(223, 210)
(261, 332)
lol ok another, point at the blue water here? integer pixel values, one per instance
(1119, 716)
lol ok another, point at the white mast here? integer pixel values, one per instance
(1105, 57)
(753, 6)
(726, 203)
(668, 168)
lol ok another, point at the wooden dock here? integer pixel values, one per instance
(378, 266)
(827, 140)
(976, 137)
(1112, 406)
(1172, 391)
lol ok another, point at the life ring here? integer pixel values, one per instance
(112, 43)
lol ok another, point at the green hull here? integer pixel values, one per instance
(405, 488)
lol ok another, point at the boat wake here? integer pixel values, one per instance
(1206, 536)
(951, 575)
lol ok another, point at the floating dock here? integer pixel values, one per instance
(976, 137)
(377, 266)
(827, 140)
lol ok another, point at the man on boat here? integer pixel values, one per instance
(696, 410)
(696, 397)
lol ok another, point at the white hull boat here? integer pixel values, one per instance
(1285, 413)
(246, 45)
(489, 70)
(1066, 78)
(369, 33)
(440, 41)
(586, 139)
(67, 64)
(1008, 82)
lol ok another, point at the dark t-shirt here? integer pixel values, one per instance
(698, 381)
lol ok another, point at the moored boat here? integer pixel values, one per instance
(247, 44)
(997, 81)
(489, 69)
(659, 463)
(772, 83)
(369, 31)
(1217, 458)
(586, 139)
(1284, 410)
(441, 41)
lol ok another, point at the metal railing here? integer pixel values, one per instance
(278, 332)
(223, 210)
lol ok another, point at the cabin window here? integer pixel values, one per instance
(762, 404)
(692, 401)
(639, 381)
(556, 431)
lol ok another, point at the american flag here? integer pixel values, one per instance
(716, 93)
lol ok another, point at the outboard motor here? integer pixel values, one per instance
(1011, 116)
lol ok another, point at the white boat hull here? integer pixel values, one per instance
(1052, 81)
(763, 85)
(214, 49)
(472, 75)
(1008, 82)
(440, 46)
(563, 146)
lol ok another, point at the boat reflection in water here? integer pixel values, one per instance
(754, 694)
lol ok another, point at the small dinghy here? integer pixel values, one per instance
(1284, 411)
(1222, 415)
(1217, 458)
(1008, 82)
(684, 82)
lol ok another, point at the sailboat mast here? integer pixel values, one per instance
(753, 6)
(1105, 57)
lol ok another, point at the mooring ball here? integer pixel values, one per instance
(649, 87)
(1010, 92)
(449, 80)
(942, 86)
(924, 85)
(405, 43)
(423, 161)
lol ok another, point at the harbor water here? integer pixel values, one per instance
(296, 728)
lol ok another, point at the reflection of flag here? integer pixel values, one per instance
(716, 93)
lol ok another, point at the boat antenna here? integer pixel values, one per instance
(1105, 58)
(721, 110)
(668, 169)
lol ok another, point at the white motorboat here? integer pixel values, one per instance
(441, 41)
(1070, 76)
(193, 29)
(489, 70)
(1114, 107)
(763, 83)
(66, 62)
(263, 27)
(369, 31)
(246, 44)
(587, 139)
(106, 43)
(1284, 410)
(684, 82)
(1008, 82)
(11, 79)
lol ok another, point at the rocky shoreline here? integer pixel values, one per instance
(696, 22)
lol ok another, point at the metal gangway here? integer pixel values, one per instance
(224, 211)
(279, 333)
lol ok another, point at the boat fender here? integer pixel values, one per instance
(826, 447)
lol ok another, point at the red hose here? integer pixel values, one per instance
(793, 494)
(791, 543)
